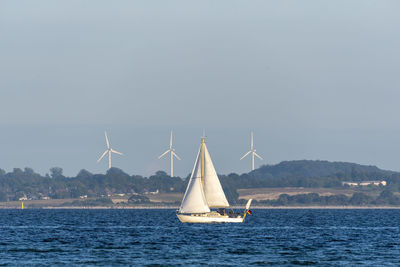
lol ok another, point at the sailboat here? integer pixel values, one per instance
(204, 193)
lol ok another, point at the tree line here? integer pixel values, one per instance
(386, 197)
(316, 174)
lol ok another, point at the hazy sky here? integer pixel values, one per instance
(314, 80)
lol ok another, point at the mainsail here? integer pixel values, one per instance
(194, 200)
(204, 190)
(213, 192)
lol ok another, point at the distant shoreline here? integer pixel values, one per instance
(326, 207)
(175, 208)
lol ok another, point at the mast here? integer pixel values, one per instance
(202, 160)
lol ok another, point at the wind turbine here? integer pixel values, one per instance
(109, 150)
(173, 154)
(253, 153)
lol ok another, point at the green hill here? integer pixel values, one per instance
(317, 168)
(308, 173)
(301, 173)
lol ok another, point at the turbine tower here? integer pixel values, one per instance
(173, 154)
(253, 153)
(109, 150)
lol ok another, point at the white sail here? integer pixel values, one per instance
(194, 200)
(213, 192)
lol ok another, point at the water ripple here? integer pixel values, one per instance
(155, 237)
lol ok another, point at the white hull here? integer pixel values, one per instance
(210, 217)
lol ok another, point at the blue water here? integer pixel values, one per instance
(156, 237)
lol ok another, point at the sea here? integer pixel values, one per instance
(129, 237)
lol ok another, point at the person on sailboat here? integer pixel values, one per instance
(222, 211)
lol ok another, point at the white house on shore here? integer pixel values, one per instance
(365, 183)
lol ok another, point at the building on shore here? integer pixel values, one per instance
(365, 183)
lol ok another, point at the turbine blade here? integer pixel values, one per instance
(170, 142)
(245, 155)
(258, 156)
(102, 156)
(116, 152)
(176, 156)
(163, 154)
(251, 142)
(108, 143)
